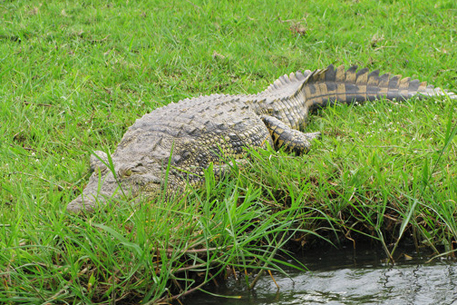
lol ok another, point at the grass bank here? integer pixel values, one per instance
(75, 75)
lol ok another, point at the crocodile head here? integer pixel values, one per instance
(121, 180)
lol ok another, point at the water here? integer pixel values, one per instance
(347, 277)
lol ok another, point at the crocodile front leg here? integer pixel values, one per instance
(293, 140)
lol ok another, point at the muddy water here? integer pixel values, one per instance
(348, 277)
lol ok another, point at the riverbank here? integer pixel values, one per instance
(74, 77)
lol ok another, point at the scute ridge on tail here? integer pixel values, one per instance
(353, 85)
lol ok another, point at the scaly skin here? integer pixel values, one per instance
(193, 133)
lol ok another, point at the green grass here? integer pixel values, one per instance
(74, 75)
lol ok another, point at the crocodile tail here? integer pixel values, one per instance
(329, 85)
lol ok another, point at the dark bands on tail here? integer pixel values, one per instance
(329, 85)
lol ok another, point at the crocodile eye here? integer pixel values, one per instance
(98, 161)
(124, 172)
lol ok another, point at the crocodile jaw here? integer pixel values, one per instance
(130, 182)
(80, 204)
(101, 187)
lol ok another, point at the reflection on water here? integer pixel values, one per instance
(347, 277)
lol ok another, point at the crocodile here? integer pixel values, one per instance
(168, 149)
